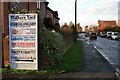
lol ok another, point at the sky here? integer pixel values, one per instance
(88, 11)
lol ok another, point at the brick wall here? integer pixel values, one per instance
(6, 50)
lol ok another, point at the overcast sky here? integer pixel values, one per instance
(88, 11)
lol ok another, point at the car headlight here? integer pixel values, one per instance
(113, 37)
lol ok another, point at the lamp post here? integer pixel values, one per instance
(75, 18)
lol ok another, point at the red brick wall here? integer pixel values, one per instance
(49, 13)
(33, 6)
(5, 22)
(25, 5)
(43, 9)
(6, 50)
(3, 18)
(56, 20)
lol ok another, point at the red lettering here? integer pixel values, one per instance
(13, 44)
(23, 44)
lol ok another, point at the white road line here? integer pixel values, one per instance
(88, 42)
(103, 55)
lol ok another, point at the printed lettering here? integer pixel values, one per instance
(23, 44)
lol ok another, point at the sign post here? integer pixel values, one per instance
(23, 41)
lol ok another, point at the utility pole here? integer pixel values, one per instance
(75, 18)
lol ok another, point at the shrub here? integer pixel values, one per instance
(52, 45)
(57, 27)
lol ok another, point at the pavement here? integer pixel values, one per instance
(96, 67)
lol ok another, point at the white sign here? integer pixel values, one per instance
(23, 41)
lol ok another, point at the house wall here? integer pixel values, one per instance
(50, 14)
(55, 20)
(5, 18)
(43, 9)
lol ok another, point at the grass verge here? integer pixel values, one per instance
(72, 61)
(73, 58)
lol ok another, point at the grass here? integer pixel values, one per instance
(72, 61)
(73, 58)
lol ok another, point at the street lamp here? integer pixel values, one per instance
(75, 18)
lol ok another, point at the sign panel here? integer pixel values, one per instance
(23, 41)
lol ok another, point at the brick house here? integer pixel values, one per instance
(53, 15)
(29, 6)
(103, 24)
(51, 19)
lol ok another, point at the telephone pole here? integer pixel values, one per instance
(75, 18)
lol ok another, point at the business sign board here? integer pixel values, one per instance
(23, 41)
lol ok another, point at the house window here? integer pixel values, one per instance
(38, 4)
(52, 16)
(17, 5)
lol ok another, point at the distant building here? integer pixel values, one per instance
(103, 24)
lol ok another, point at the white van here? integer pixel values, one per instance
(109, 34)
(115, 35)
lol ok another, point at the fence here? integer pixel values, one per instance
(68, 37)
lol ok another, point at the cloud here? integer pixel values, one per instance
(88, 11)
(65, 8)
(103, 8)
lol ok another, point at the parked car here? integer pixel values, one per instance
(103, 34)
(93, 35)
(115, 36)
(87, 34)
(109, 34)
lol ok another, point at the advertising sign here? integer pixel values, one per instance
(23, 41)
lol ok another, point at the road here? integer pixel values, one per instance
(110, 49)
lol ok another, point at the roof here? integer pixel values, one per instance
(55, 13)
(110, 23)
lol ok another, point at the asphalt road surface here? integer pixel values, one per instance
(110, 49)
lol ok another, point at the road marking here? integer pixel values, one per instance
(117, 75)
(103, 55)
(95, 47)
(88, 42)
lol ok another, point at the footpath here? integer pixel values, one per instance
(96, 67)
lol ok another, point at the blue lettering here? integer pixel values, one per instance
(14, 38)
